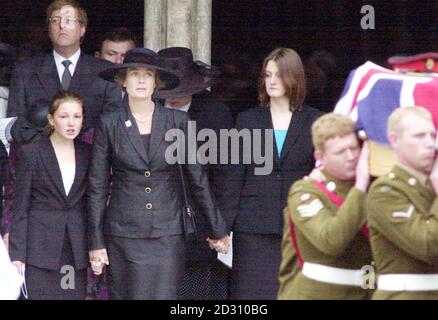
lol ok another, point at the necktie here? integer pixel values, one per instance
(66, 76)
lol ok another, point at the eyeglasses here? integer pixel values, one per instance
(67, 20)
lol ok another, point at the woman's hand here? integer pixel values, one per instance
(98, 259)
(220, 245)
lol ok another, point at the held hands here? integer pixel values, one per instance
(220, 245)
(98, 259)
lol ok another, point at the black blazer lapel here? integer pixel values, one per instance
(195, 109)
(49, 76)
(158, 129)
(128, 124)
(294, 130)
(266, 121)
(50, 163)
(81, 167)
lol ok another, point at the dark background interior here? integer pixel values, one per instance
(244, 31)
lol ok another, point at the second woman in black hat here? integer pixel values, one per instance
(205, 277)
(139, 232)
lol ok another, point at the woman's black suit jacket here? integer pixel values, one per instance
(146, 191)
(255, 203)
(42, 212)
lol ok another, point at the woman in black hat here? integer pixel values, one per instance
(138, 232)
(205, 277)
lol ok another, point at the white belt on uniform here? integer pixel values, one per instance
(333, 275)
(408, 282)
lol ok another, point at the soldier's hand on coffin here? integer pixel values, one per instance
(362, 169)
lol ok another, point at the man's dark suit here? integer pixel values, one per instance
(254, 206)
(42, 211)
(35, 81)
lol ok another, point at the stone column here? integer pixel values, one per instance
(184, 23)
(179, 23)
(154, 24)
(202, 30)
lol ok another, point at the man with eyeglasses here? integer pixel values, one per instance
(35, 81)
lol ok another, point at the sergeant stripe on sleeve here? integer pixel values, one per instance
(402, 214)
(311, 209)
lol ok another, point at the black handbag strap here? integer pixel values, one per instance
(186, 201)
(187, 206)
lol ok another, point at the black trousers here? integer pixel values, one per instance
(66, 283)
(145, 269)
(256, 264)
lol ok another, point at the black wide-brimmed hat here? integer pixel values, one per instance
(194, 76)
(142, 58)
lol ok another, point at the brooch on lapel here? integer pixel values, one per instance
(128, 123)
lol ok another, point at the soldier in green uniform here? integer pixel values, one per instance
(326, 219)
(289, 267)
(403, 211)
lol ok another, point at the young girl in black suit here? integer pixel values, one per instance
(48, 235)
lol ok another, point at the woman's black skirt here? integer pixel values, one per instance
(145, 269)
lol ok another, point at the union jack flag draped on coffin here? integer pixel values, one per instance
(373, 92)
